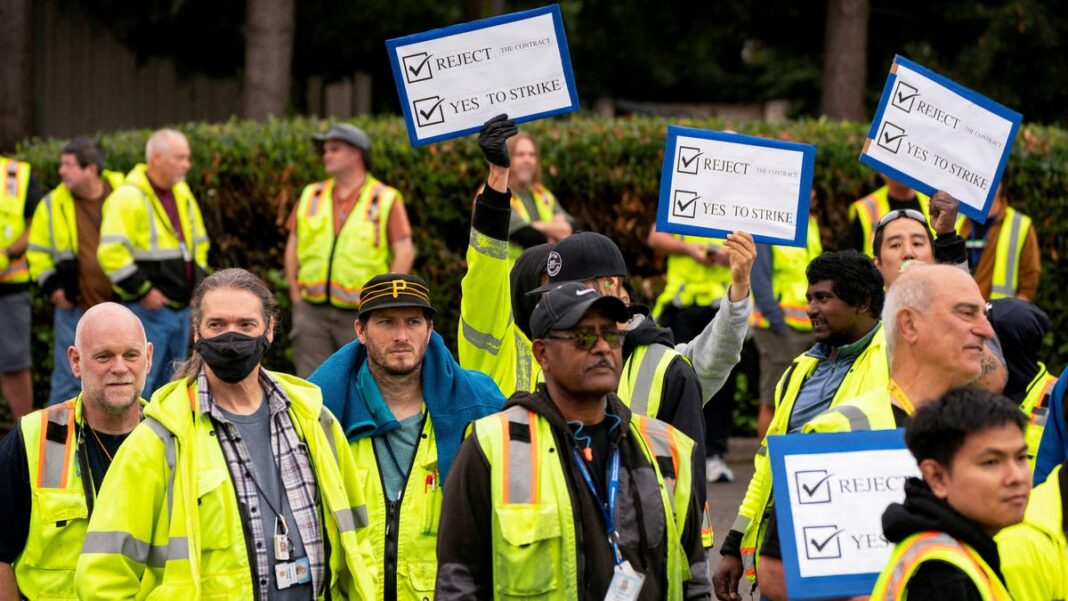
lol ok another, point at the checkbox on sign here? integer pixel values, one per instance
(813, 487)
(417, 67)
(904, 96)
(821, 542)
(890, 137)
(688, 160)
(684, 204)
(428, 111)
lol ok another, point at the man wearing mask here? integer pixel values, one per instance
(238, 483)
(43, 463)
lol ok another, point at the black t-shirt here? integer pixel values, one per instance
(594, 442)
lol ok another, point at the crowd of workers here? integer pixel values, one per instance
(562, 452)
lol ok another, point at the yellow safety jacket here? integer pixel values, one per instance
(1036, 408)
(789, 282)
(869, 371)
(139, 247)
(1034, 553)
(15, 183)
(535, 552)
(910, 553)
(168, 525)
(61, 500)
(416, 519)
(334, 268)
(690, 283)
(53, 248)
(544, 202)
(870, 209)
(872, 410)
(1009, 250)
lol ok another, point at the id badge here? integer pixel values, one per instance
(281, 547)
(626, 584)
(284, 575)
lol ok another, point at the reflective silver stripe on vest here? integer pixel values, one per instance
(520, 452)
(741, 524)
(491, 247)
(659, 438)
(643, 382)
(157, 254)
(12, 178)
(352, 519)
(919, 547)
(55, 455)
(169, 453)
(857, 418)
(480, 340)
(117, 239)
(524, 357)
(326, 421)
(122, 273)
(134, 549)
(763, 450)
(1007, 288)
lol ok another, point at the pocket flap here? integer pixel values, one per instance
(522, 524)
(209, 480)
(59, 504)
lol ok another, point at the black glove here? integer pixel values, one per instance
(493, 140)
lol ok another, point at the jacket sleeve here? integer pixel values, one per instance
(465, 542)
(1029, 562)
(1030, 265)
(129, 517)
(718, 348)
(698, 586)
(39, 251)
(123, 219)
(361, 581)
(949, 249)
(764, 290)
(200, 235)
(1051, 449)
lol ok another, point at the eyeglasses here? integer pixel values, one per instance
(586, 340)
(898, 214)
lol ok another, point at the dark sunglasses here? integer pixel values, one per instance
(586, 340)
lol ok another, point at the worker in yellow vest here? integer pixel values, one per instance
(1003, 252)
(537, 216)
(865, 213)
(53, 464)
(19, 195)
(63, 242)
(343, 231)
(567, 494)
(403, 403)
(971, 452)
(1034, 553)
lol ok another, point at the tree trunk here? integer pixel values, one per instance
(845, 59)
(16, 78)
(269, 27)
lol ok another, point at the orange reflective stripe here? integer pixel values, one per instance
(1041, 400)
(41, 452)
(871, 206)
(68, 446)
(313, 204)
(192, 399)
(372, 213)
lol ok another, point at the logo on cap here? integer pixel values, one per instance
(554, 264)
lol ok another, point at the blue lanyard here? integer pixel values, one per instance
(609, 509)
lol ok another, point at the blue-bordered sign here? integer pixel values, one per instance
(452, 80)
(935, 134)
(714, 183)
(830, 494)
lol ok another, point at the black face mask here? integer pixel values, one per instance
(232, 356)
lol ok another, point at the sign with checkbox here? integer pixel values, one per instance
(452, 80)
(934, 134)
(830, 494)
(715, 183)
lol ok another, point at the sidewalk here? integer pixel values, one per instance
(725, 497)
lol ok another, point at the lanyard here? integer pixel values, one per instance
(607, 509)
(901, 398)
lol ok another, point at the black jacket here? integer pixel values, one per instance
(465, 549)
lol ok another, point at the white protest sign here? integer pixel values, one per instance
(934, 134)
(451, 80)
(714, 183)
(830, 494)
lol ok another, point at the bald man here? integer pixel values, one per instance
(42, 461)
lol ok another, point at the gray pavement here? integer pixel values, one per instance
(724, 498)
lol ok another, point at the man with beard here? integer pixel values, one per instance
(403, 403)
(52, 464)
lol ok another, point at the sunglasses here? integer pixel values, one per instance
(587, 339)
(898, 214)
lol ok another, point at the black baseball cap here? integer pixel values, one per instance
(564, 305)
(583, 256)
(390, 290)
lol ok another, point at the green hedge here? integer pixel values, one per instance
(248, 176)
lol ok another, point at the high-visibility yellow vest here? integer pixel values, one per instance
(420, 513)
(870, 209)
(168, 526)
(910, 554)
(13, 186)
(689, 283)
(1036, 408)
(334, 268)
(54, 231)
(535, 553)
(544, 203)
(1009, 251)
(869, 371)
(139, 247)
(789, 282)
(1034, 553)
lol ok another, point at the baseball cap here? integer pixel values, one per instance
(389, 290)
(564, 305)
(583, 256)
(349, 134)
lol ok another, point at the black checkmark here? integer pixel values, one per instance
(686, 163)
(682, 207)
(901, 99)
(426, 114)
(809, 491)
(416, 70)
(888, 140)
(820, 546)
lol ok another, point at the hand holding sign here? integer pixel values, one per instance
(741, 249)
(944, 213)
(493, 140)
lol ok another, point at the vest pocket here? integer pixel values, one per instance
(212, 502)
(421, 575)
(61, 515)
(529, 557)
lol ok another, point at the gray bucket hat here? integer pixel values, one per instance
(350, 134)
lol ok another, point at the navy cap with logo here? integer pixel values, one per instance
(583, 256)
(390, 290)
(564, 306)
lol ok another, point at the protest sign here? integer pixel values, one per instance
(934, 134)
(830, 494)
(714, 183)
(451, 80)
